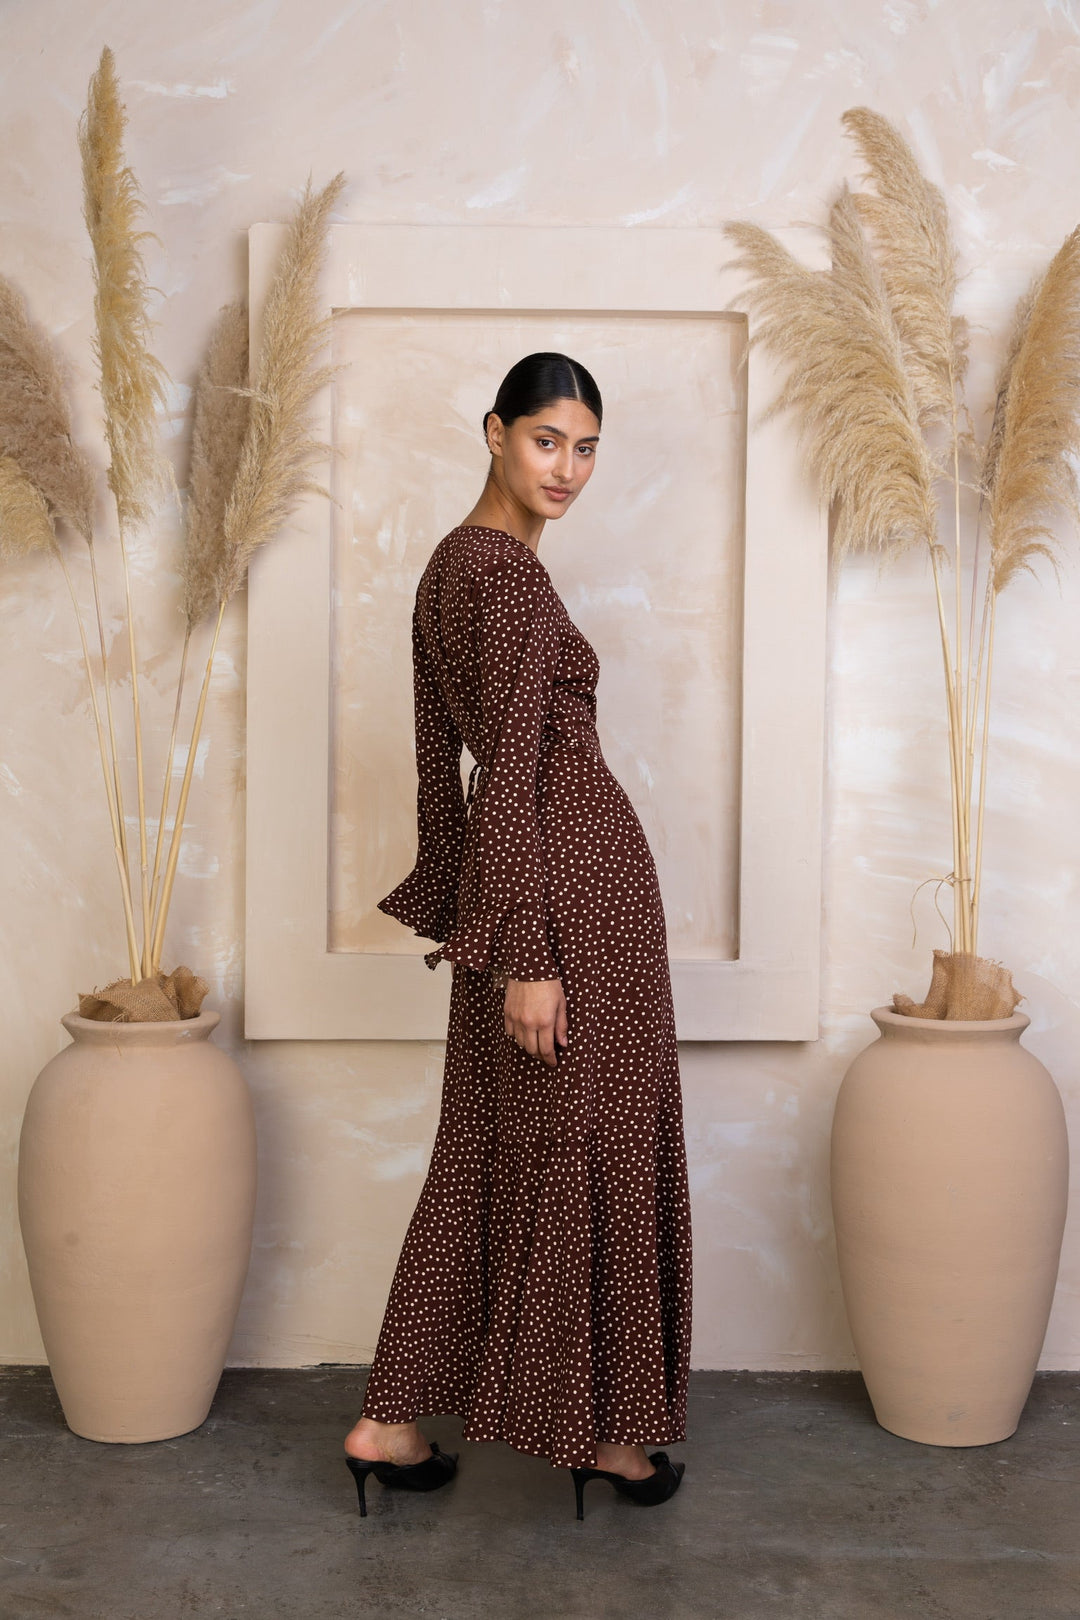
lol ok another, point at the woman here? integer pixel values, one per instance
(543, 1289)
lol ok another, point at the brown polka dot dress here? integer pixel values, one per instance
(544, 1286)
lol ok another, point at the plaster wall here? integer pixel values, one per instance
(488, 112)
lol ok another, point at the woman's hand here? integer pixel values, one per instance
(534, 1015)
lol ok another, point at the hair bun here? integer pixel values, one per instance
(539, 380)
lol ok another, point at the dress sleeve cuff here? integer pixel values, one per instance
(511, 941)
(425, 902)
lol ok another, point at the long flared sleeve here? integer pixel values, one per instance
(502, 916)
(426, 900)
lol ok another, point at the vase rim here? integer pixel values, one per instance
(155, 1032)
(886, 1017)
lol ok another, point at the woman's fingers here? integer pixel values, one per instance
(536, 1039)
(533, 1013)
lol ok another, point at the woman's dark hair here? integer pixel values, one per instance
(539, 380)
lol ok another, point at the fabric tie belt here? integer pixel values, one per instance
(585, 742)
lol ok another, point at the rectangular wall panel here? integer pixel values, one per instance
(695, 561)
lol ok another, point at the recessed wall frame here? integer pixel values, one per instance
(296, 986)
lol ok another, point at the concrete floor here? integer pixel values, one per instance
(795, 1504)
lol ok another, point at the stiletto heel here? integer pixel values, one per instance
(647, 1492)
(436, 1470)
(360, 1471)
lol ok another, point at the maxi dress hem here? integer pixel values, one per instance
(482, 1434)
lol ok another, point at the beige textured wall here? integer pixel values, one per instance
(490, 111)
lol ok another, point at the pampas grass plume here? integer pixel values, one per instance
(909, 223)
(35, 424)
(132, 380)
(846, 381)
(1029, 469)
(25, 524)
(278, 448)
(222, 412)
(274, 457)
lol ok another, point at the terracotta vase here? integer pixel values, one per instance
(136, 1201)
(949, 1189)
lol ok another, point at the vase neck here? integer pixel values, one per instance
(897, 1026)
(172, 1032)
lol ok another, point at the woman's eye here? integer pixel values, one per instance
(586, 449)
(542, 442)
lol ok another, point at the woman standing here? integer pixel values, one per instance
(543, 1289)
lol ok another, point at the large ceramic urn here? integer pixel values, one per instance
(949, 1190)
(136, 1200)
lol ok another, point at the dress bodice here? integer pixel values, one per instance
(571, 719)
(498, 665)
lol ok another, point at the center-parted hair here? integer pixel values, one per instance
(539, 380)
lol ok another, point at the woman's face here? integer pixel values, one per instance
(547, 459)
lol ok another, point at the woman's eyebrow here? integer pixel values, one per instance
(547, 427)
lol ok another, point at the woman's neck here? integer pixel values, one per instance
(494, 511)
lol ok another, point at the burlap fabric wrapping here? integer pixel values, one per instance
(963, 986)
(165, 998)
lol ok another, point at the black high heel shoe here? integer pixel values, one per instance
(436, 1470)
(647, 1492)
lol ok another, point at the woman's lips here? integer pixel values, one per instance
(556, 494)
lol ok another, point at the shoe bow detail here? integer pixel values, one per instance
(436, 1470)
(656, 1487)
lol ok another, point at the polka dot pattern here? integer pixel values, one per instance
(543, 1292)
